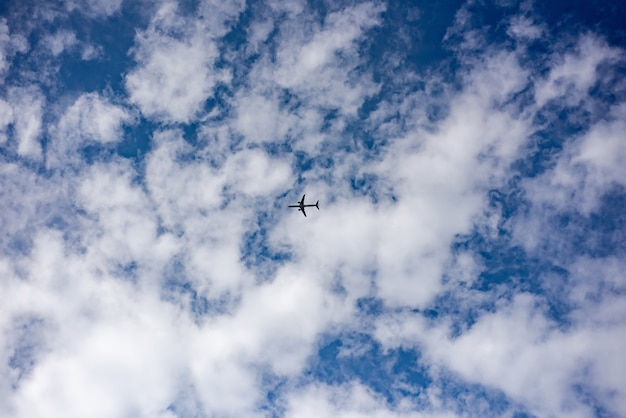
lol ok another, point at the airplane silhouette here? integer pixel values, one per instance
(301, 205)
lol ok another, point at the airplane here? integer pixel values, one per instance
(301, 205)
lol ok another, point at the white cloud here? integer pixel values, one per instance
(190, 194)
(352, 400)
(257, 174)
(6, 118)
(29, 202)
(518, 350)
(524, 29)
(278, 322)
(589, 167)
(180, 188)
(596, 292)
(90, 52)
(574, 73)
(100, 340)
(60, 41)
(261, 120)
(258, 33)
(137, 272)
(441, 179)
(95, 118)
(103, 329)
(462, 34)
(175, 71)
(597, 162)
(90, 119)
(123, 211)
(317, 62)
(27, 112)
(10, 44)
(315, 71)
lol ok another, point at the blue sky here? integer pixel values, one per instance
(467, 259)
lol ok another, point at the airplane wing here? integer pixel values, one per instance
(302, 200)
(303, 212)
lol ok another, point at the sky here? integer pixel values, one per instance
(467, 259)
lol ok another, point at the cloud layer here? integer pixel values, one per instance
(466, 259)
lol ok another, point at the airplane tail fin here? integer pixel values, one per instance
(317, 205)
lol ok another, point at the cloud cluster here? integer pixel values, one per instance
(176, 70)
(178, 283)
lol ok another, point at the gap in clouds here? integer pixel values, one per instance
(476, 400)
(401, 374)
(111, 38)
(136, 141)
(91, 56)
(346, 357)
(257, 253)
(603, 17)
(29, 344)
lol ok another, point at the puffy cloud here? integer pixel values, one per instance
(91, 119)
(518, 350)
(440, 180)
(60, 41)
(320, 63)
(10, 44)
(260, 119)
(175, 71)
(98, 339)
(94, 118)
(27, 124)
(179, 284)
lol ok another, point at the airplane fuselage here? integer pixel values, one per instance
(301, 205)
